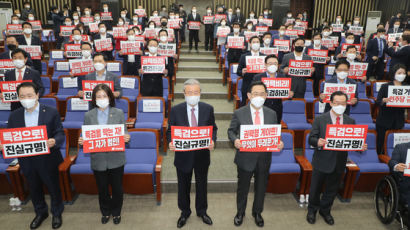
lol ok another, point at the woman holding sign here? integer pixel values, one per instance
(108, 167)
(389, 117)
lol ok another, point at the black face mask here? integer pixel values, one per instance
(11, 47)
(298, 49)
(163, 23)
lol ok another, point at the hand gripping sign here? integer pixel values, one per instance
(9, 90)
(398, 96)
(277, 87)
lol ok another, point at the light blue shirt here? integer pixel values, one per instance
(31, 119)
(102, 116)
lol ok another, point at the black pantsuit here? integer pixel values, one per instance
(110, 205)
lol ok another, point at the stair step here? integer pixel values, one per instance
(197, 59)
(205, 87)
(215, 80)
(206, 95)
(186, 46)
(219, 105)
(193, 51)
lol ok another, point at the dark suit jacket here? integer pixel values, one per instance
(399, 155)
(400, 56)
(196, 19)
(233, 19)
(107, 53)
(298, 83)
(391, 30)
(29, 74)
(7, 55)
(248, 160)
(372, 49)
(247, 78)
(185, 161)
(35, 41)
(388, 117)
(325, 160)
(235, 54)
(49, 117)
(109, 77)
(347, 81)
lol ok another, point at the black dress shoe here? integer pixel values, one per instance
(206, 219)
(258, 219)
(238, 219)
(56, 222)
(38, 220)
(116, 219)
(311, 217)
(328, 218)
(181, 221)
(105, 219)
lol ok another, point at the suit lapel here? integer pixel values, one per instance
(199, 114)
(110, 116)
(248, 115)
(185, 115)
(41, 115)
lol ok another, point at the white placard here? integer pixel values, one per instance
(63, 66)
(127, 82)
(330, 70)
(5, 106)
(151, 106)
(235, 68)
(113, 67)
(399, 138)
(79, 104)
(378, 85)
(308, 43)
(46, 33)
(70, 82)
(57, 54)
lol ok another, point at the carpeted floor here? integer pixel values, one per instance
(141, 212)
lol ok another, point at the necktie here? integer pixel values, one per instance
(337, 120)
(20, 77)
(193, 118)
(380, 47)
(257, 118)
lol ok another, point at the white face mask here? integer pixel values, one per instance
(68, 23)
(349, 24)
(316, 42)
(349, 41)
(400, 77)
(257, 101)
(252, 15)
(120, 23)
(396, 26)
(151, 26)
(163, 38)
(255, 46)
(77, 37)
(339, 109)
(19, 15)
(155, 15)
(99, 66)
(123, 15)
(27, 31)
(342, 75)
(338, 19)
(194, 11)
(28, 103)
(102, 103)
(289, 15)
(326, 33)
(75, 17)
(97, 18)
(209, 11)
(131, 38)
(86, 53)
(223, 23)
(351, 56)
(281, 32)
(272, 68)
(135, 19)
(229, 13)
(192, 100)
(152, 49)
(267, 41)
(105, 9)
(15, 21)
(250, 27)
(356, 22)
(31, 18)
(236, 30)
(87, 13)
(102, 30)
(18, 63)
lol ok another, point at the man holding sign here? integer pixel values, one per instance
(42, 169)
(328, 165)
(192, 114)
(251, 164)
(101, 39)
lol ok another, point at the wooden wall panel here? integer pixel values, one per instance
(245, 5)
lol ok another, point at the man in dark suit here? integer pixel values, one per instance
(30, 40)
(103, 35)
(23, 72)
(272, 63)
(230, 17)
(400, 54)
(266, 14)
(235, 54)
(131, 63)
(251, 164)
(281, 36)
(192, 113)
(239, 16)
(375, 50)
(193, 34)
(255, 44)
(298, 83)
(42, 169)
(341, 70)
(12, 44)
(328, 166)
(182, 14)
(395, 28)
(58, 19)
(397, 165)
(209, 31)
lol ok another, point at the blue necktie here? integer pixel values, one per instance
(380, 47)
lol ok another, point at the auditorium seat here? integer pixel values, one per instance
(232, 79)
(44, 67)
(58, 71)
(371, 169)
(389, 144)
(5, 111)
(48, 87)
(63, 91)
(309, 97)
(238, 93)
(5, 180)
(361, 113)
(74, 119)
(284, 171)
(131, 93)
(114, 67)
(50, 101)
(294, 114)
(225, 70)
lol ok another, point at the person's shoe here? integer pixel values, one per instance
(258, 219)
(238, 219)
(190, 50)
(206, 219)
(38, 220)
(311, 217)
(56, 222)
(105, 219)
(206, 48)
(181, 221)
(116, 219)
(328, 218)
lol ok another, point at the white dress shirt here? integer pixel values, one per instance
(299, 58)
(253, 110)
(28, 40)
(188, 109)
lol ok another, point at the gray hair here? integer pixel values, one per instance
(191, 81)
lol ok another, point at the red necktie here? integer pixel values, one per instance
(337, 120)
(20, 77)
(257, 118)
(193, 118)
